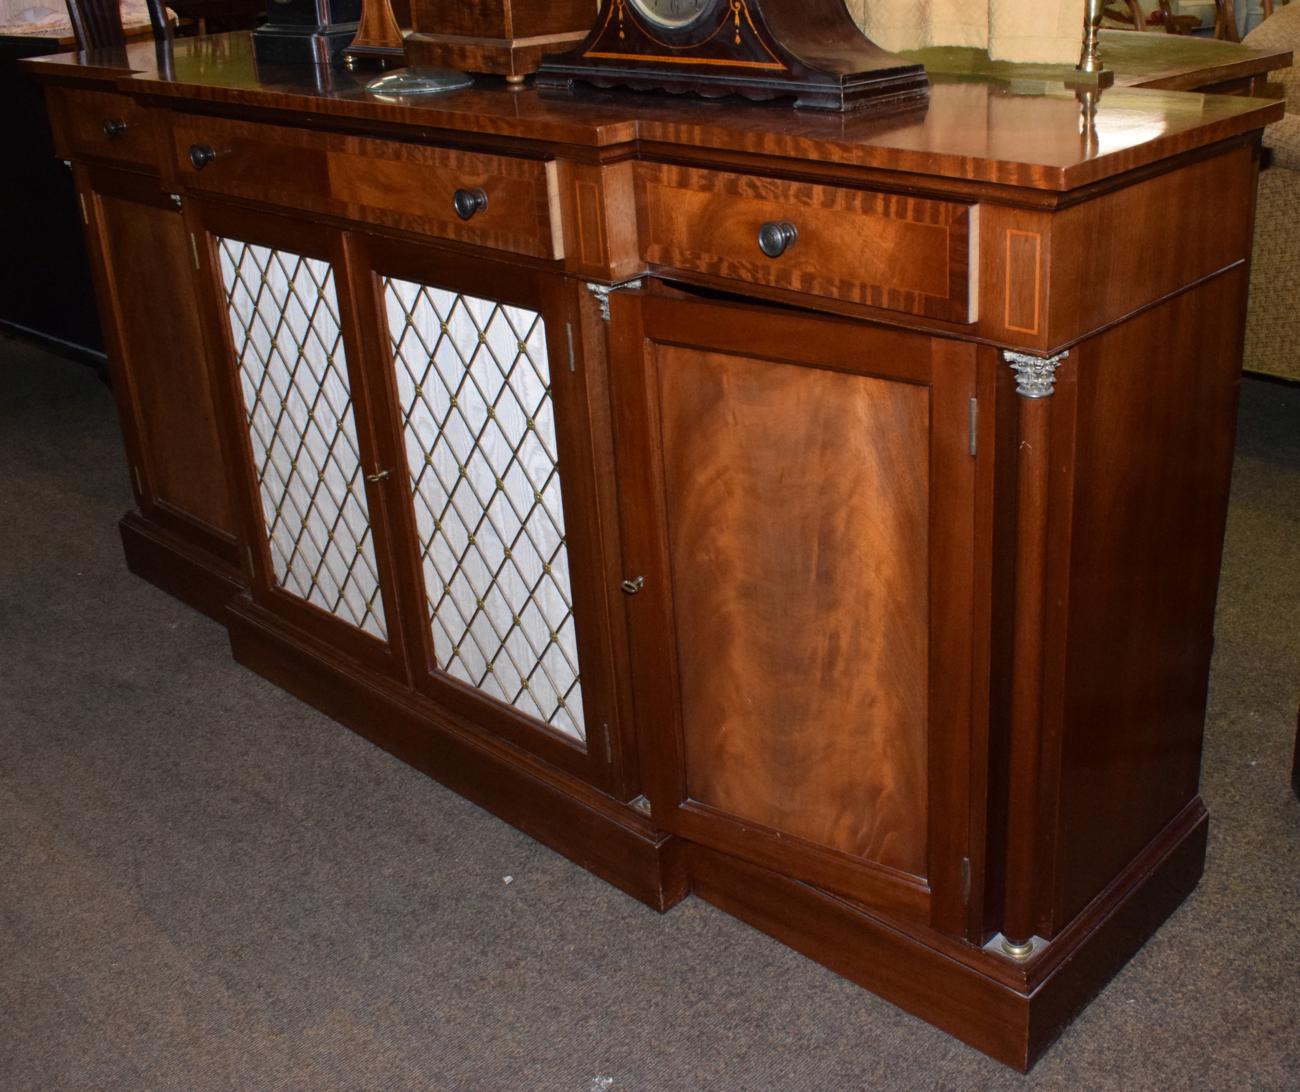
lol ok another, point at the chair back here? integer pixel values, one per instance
(97, 24)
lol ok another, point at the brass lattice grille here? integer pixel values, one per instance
(479, 425)
(284, 318)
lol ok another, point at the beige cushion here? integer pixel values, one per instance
(1284, 138)
(1273, 320)
(1281, 30)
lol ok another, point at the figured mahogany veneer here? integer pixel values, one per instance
(387, 183)
(885, 250)
(108, 126)
(757, 617)
(893, 456)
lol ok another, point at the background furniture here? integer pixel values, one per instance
(883, 620)
(97, 24)
(1273, 323)
(45, 287)
(1158, 61)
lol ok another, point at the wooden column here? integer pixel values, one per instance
(1035, 383)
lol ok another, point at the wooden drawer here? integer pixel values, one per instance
(105, 125)
(411, 187)
(902, 253)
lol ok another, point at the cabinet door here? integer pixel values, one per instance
(798, 508)
(298, 409)
(498, 425)
(145, 279)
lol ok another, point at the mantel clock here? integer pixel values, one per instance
(808, 50)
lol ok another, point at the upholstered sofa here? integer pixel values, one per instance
(1273, 321)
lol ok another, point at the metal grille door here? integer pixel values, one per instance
(479, 428)
(298, 404)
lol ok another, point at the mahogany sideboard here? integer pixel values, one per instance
(819, 514)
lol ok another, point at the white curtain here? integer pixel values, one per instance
(1028, 31)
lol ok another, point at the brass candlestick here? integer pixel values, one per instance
(1093, 13)
(1090, 71)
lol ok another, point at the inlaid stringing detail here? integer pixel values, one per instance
(298, 405)
(474, 380)
(1035, 375)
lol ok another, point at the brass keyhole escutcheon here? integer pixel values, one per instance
(631, 587)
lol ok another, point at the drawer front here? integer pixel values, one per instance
(106, 125)
(857, 246)
(411, 187)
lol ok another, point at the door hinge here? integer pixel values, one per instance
(974, 426)
(194, 249)
(139, 485)
(573, 355)
(609, 747)
(252, 565)
(85, 216)
(965, 881)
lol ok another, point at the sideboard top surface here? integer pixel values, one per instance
(1016, 133)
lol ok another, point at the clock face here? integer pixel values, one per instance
(672, 14)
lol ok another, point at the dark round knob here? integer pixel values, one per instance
(114, 128)
(775, 238)
(201, 155)
(469, 203)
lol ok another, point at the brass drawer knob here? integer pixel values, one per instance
(114, 128)
(201, 155)
(776, 237)
(469, 203)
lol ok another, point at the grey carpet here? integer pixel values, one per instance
(206, 885)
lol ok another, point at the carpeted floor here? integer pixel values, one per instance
(206, 885)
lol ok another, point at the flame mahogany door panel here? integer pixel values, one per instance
(140, 251)
(799, 503)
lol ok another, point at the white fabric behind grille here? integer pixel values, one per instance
(284, 318)
(479, 426)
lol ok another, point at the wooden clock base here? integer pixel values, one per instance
(810, 51)
(513, 58)
(506, 38)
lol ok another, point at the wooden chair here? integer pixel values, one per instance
(1174, 24)
(1225, 21)
(97, 24)
(1131, 14)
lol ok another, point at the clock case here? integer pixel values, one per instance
(760, 49)
(502, 37)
